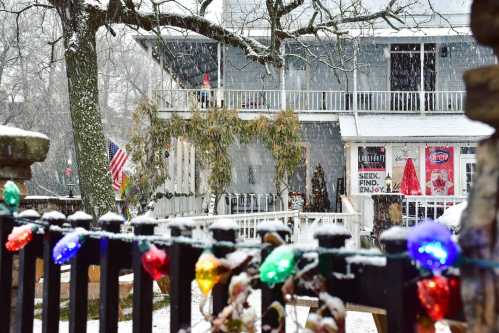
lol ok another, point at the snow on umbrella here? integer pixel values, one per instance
(410, 182)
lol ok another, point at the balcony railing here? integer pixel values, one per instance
(417, 208)
(184, 100)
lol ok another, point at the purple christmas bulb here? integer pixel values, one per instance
(67, 247)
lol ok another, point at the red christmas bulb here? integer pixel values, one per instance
(455, 300)
(19, 237)
(155, 262)
(434, 295)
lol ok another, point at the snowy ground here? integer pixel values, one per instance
(357, 322)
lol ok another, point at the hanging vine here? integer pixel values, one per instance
(211, 132)
(147, 148)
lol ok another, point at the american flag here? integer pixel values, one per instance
(117, 159)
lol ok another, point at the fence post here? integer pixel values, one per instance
(25, 301)
(222, 230)
(78, 288)
(271, 294)
(51, 275)
(6, 225)
(109, 273)
(181, 276)
(401, 294)
(332, 237)
(142, 282)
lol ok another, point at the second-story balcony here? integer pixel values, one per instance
(306, 102)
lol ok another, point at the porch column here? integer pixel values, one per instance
(421, 93)
(219, 74)
(355, 101)
(282, 72)
(178, 181)
(149, 76)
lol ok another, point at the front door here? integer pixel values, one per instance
(468, 170)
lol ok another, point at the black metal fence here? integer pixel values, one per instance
(391, 287)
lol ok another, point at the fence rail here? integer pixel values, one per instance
(185, 100)
(417, 208)
(352, 281)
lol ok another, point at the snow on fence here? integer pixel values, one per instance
(352, 281)
(185, 100)
(417, 208)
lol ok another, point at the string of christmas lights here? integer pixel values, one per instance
(429, 245)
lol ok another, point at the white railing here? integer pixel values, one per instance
(179, 206)
(231, 203)
(241, 203)
(411, 101)
(252, 100)
(179, 100)
(417, 208)
(307, 100)
(247, 223)
(301, 224)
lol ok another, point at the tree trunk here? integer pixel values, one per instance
(90, 145)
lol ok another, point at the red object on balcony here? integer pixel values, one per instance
(410, 183)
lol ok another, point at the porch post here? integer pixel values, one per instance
(355, 101)
(421, 93)
(282, 72)
(149, 76)
(219, 74)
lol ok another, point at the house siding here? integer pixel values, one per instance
(322, 140)
(373, 69)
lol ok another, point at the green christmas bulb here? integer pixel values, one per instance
(278, 266)
(11, 194)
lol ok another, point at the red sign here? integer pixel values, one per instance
(439, 170)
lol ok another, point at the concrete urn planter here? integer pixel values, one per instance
(19, 149)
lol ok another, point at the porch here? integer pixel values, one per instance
(310, 102)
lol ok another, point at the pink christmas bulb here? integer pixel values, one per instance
(155, 262)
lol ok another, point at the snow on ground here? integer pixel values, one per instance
(356, 322)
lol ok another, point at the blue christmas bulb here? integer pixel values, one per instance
(430, 244)
(67, 247)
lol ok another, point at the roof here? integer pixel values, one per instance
(187, 59)
(414, 127)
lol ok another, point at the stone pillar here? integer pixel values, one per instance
(19, 149)
(387, 213)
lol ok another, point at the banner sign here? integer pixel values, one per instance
(439, 170)
(372, 169)
(400, 154)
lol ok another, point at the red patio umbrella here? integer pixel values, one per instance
(410, 183)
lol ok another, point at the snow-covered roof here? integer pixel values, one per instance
(397, 127)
